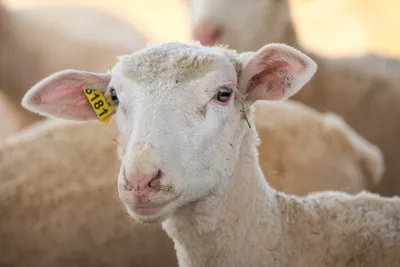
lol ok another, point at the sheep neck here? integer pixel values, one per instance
(221, 228)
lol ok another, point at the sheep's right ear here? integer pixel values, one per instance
(61, 95)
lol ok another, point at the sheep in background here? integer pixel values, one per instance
(364, 90)
(59, 202)
(38, 41)
(191, 161)
(303, 151)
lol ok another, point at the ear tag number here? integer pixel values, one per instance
(100, 104)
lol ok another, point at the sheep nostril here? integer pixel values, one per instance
(156, 182)
(218, 33)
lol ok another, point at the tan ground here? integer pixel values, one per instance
(330, 27)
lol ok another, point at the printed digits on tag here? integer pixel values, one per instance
(104, 112)
(98, 104)
(94, 98)
(88, 91)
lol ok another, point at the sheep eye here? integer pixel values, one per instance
(114, 96)
(223, 95)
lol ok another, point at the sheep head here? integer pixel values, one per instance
(179, 109)
(244, 25)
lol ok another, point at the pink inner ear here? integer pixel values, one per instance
(52, 96)
(73, 111)
(61, 88)
(269, 82)
(70, 102)
(272, 72)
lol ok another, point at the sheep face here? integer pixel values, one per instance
(242, 24)
(179, 113)
(177, 108)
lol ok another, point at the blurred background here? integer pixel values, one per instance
(40, 224)
(329, 27)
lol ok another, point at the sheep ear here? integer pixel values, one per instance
(61, 95)
(274, 72)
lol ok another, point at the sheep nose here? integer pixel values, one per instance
(140, 183)
(206, 34)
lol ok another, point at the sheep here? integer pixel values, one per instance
(364, 90)
(44, 229)
(325, 143)
(38, 41)
(48, 231)
(190, 160)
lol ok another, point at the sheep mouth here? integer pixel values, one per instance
(152, 212)
(148, 215)
(146, 210)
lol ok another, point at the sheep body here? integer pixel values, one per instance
(364, 90)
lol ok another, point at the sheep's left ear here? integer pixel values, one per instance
(274, 72)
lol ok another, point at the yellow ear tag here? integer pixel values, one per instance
(100, 105)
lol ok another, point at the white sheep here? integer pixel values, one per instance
(364, 90)
(38, 202)
(190, 159)
(38, 41)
